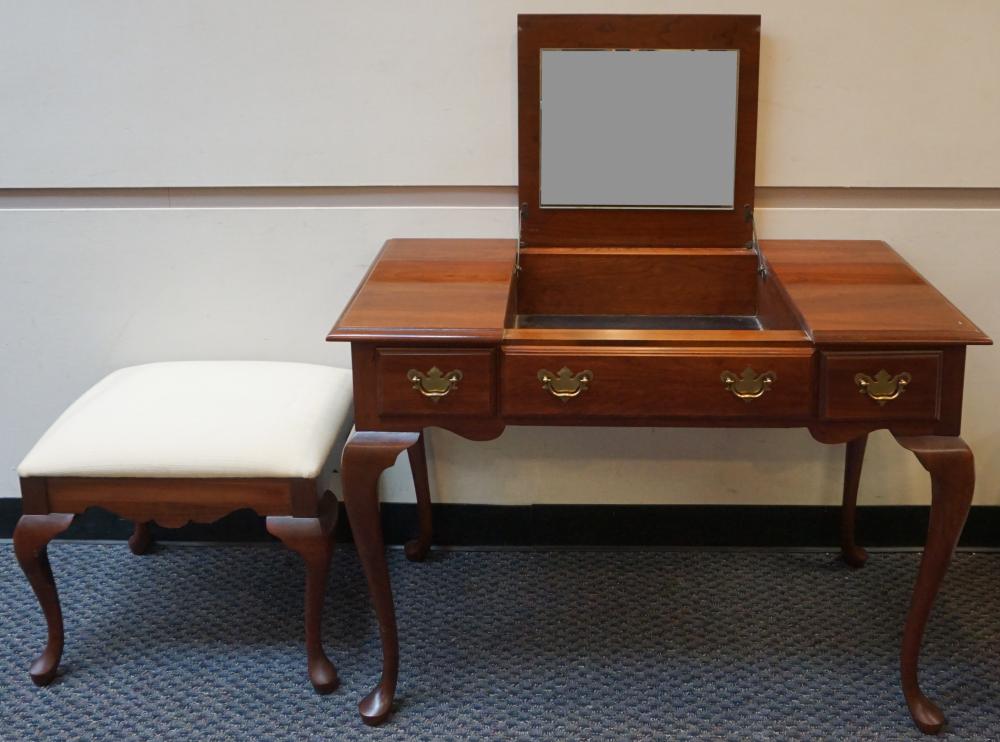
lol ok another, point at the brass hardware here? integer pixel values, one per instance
(748, 385)
(565, 384)
(883, 387)
(434, 384)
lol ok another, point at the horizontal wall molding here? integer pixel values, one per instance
(877, 198)
(455, 197)
(251, 197)
(586, 526)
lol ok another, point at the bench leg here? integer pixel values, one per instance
(141, 539)
(416, 549)
(853, 554)
(31, 538)
(312, 539)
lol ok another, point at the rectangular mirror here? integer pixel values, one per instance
(638, 128)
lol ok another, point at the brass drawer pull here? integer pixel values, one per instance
(883, 387)
(565, 384)
(434, 384)
(748, 385)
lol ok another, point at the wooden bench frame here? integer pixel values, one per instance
(295, 515)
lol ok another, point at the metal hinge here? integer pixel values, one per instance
(753, 244)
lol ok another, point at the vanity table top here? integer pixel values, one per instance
(442, 290)
(863, 291)
(845, 292)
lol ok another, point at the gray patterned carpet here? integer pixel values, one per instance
(206, 643)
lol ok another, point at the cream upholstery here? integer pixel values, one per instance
(201, 419)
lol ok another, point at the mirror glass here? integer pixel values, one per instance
(645, 128)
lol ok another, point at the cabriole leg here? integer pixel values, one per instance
(312, 539)
(141, 538)
(853, 554)
(366, 455)
(416, 549)
(31, 538)
(950, 463)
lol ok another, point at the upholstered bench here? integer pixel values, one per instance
(192, 441)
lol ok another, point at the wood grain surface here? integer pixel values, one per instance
(863, 292)
(579, 280)
(433, 290)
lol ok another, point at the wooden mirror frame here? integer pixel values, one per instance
(624, 227)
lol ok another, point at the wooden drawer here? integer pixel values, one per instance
(843, 398)
(400, 392)
(643, 382)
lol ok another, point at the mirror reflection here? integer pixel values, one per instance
(651, 128)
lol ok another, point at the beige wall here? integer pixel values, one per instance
(168, 94)
(422, 92)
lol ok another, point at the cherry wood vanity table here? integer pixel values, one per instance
(642, 297)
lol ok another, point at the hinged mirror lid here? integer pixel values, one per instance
(637, 130)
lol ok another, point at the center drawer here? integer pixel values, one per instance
(671, 382)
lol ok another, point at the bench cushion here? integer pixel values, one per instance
(200, 419)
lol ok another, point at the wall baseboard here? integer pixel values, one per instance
(586, 525)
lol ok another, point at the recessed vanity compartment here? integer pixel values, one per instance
(439, 382)
(884, 385)
(643, 288)
(647, 288)
(726, 382)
